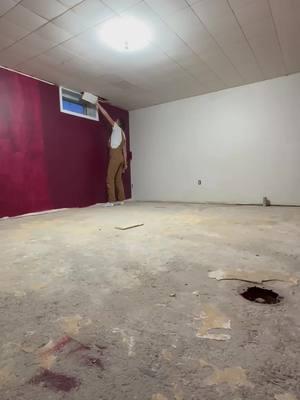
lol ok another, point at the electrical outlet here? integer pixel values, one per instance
(199, 182)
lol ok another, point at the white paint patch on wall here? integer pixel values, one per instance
(242, 143)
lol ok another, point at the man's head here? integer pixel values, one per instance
(120, 123)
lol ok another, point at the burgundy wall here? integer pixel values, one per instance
(49, 159)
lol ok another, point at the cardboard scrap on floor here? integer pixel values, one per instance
(252, 276)
(125, 228)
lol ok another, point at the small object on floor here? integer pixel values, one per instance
(260, 300)
(125, 228)
(196, 293)
(172, 294)
(108, 204)
(266, 202)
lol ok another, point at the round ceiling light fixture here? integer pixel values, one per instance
(125, 34)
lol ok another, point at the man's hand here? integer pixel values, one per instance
(100, 100)
(124, 168)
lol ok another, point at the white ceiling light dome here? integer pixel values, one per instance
(125, 34)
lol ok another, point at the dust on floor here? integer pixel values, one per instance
(154, 312)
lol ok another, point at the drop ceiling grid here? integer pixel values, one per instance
(235, 42)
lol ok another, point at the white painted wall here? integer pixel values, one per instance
(243, 143)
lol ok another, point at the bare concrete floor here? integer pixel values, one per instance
(89, 312)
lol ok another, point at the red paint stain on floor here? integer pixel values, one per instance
(54, 381)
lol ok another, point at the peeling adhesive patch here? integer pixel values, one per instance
(178, 393)
(128, 340)
(252, 276)
(167, 355)
(159, 396)
(234, 377)
(6, 376)
(72, 325)
(212, 318)
(285, 396)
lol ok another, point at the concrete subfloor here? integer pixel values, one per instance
(89, 312)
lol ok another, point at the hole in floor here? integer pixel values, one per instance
(262, 296)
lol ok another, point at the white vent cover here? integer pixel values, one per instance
(89, 97)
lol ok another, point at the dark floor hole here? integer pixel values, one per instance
(260, 295)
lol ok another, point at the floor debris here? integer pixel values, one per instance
(125, 228)
(212, 318)
(252, 276)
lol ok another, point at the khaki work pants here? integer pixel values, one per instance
(114, 181)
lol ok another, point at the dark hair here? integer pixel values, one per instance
(121, 123)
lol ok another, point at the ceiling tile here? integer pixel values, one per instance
(220, 21)
(53, 33)
(256, 20)
(34, 44)
(70, 3)
(59, 54)
(12, 31)
(77, 46)
(187, 25)
(287, 19)
(212, 8)
(24, 18)
(120, 5)
(250, 10)
(13, 56)
(93, 11)
(6, 5)
(191, 2)
(71, 22)
(166, 7)
(47, 9)
(5, 42)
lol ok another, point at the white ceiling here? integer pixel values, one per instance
(198, 46)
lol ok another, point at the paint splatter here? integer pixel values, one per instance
(54, 381)
(66, 344)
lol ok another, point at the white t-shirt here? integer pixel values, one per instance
(116, 136)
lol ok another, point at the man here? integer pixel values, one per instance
(117, 160)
